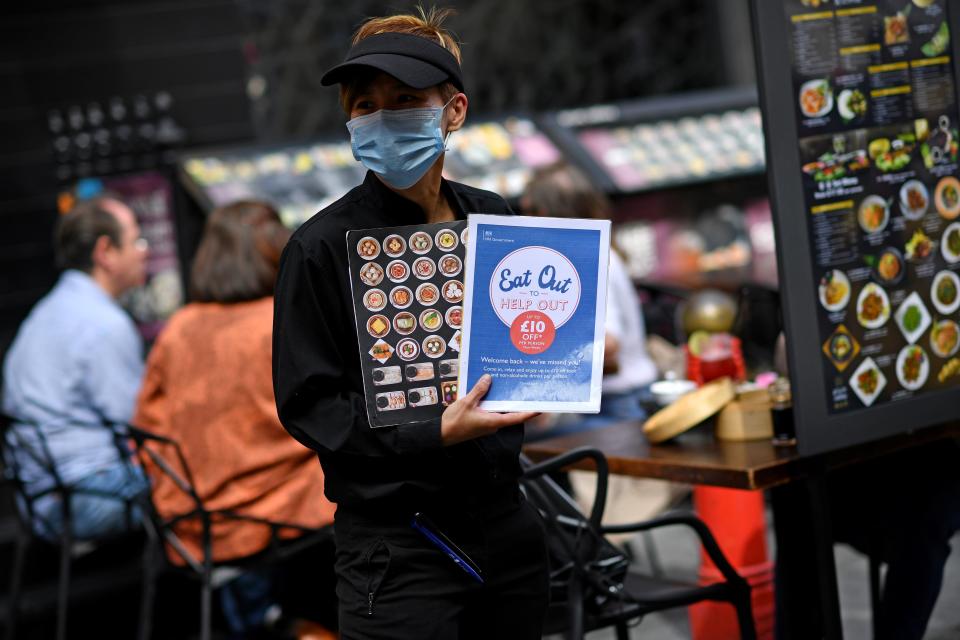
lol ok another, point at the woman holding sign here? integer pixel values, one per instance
(433, 537)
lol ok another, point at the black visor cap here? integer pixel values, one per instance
(417, 62)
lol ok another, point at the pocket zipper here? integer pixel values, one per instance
(374, 582)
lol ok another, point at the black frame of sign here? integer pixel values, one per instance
(817, 430)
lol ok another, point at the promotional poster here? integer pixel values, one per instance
(534, 312)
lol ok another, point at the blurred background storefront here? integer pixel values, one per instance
(180, 106)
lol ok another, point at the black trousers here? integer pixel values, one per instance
(393, 583)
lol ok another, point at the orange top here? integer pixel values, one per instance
(208, 386)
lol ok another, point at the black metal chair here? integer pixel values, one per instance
(20, 441)
(163, 455)
(592, 584)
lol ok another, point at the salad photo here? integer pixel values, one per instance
(830, 157)
(912, 317)
(938, 43)
(892, 155)
(851, 105)
(831, 166)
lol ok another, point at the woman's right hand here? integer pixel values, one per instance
(464, 420)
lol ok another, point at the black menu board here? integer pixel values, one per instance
(408, 294)
(861, 118)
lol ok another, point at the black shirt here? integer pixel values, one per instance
(318, 383)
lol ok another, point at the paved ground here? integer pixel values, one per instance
(679, 555)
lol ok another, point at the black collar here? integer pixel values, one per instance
(407, 211)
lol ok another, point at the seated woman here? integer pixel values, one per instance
(559, 190)
(208, 387)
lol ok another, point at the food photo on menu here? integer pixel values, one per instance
(408, 292)
(829, 158)
(877, 135)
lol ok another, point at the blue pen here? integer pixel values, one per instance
(434, 535)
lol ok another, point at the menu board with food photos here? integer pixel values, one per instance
(878, 141)
(875, 122)
(408, 294)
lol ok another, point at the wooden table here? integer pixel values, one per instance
(807, 599)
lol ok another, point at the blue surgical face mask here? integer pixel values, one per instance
(398, 145)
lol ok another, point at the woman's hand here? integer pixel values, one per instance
(611, 354)
(463, 420)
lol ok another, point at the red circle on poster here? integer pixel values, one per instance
(532, 332)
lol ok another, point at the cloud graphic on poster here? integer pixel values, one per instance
(567, 386)
(578, 354)
(552, 391)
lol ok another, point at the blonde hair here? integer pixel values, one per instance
(426, 24)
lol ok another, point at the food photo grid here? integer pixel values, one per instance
(408, 300)
(878, 138)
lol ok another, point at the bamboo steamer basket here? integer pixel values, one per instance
(746, 418)
(689, 411)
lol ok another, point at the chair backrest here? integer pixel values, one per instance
(24, 443)
(162, 456)
(576, 547)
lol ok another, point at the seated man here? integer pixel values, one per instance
(76, 364)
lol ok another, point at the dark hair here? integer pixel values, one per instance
(560, 190)
(78, 230)
(239, 254)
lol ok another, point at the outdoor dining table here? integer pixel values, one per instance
(806, 581)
